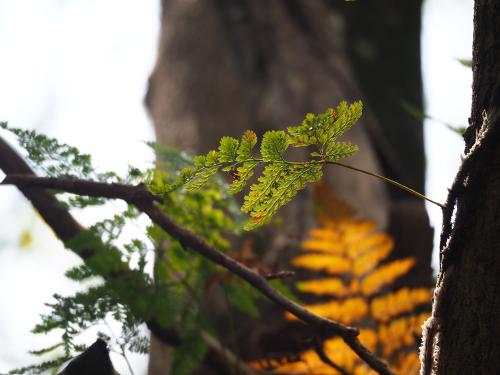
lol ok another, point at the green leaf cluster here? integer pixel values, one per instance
(50, 366)
(281, 179)
(49, 157)
(123, 286)
(179, 277)
(277, 186)
(211, 213)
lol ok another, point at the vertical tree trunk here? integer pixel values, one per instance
(463, 335)
(225, 66)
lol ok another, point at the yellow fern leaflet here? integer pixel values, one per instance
(379, 247)
(347, 311)
(324, 246)
(310, 363)
(408, 363)
(400, 332)
(355, 288)
(403, 301)
(322, 262)
(385, 275)
(332, 286)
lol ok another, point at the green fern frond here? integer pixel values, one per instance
(241, 176)
(201, 177)
(335, 151)
(228, 149)
(313, 129)
(248, 142)
(346, 117)
(274, 145)
(41, 368)
(44, 351)
(281, 179)
(261, 193)
(277, 186)
(325, 128)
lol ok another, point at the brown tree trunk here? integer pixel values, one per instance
(225, 66)
(463, 335)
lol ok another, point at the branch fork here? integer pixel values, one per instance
(138, 195)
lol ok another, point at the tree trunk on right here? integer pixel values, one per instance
(463, 335)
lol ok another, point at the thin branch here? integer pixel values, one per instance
(190, 240)
(122, 347)
(186, 237)
(65, 227)
(388, 180)
(279, 275)
(129, 193)
(325, 162)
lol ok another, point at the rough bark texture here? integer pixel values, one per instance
(464, 333)
(225, 66)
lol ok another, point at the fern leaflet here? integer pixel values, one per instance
(281, 179)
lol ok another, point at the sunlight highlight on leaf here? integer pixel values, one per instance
(385, 275)
(322, 262)
(332, 286)
(347, 311)
(403, 301)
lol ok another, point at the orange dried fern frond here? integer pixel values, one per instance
(346, 257)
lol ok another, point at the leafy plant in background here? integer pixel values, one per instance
(174, 288)
(190, 191)
(344, 257)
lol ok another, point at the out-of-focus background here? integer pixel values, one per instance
(78, 70)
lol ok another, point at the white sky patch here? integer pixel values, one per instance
(77, 70)
(446, 37)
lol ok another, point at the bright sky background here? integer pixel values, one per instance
(77, 70)
(446, 37)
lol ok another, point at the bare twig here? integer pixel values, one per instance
(188, 239)
(389, 181)
(279, 275)
(129, 193)
(121, 345)
(65, 227)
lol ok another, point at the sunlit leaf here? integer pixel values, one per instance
(385, 275)
(320, 262)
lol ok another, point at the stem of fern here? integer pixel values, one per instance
(380, 177)
(388, 180)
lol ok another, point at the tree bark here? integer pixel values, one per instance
(225, 66)
(463, 335)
